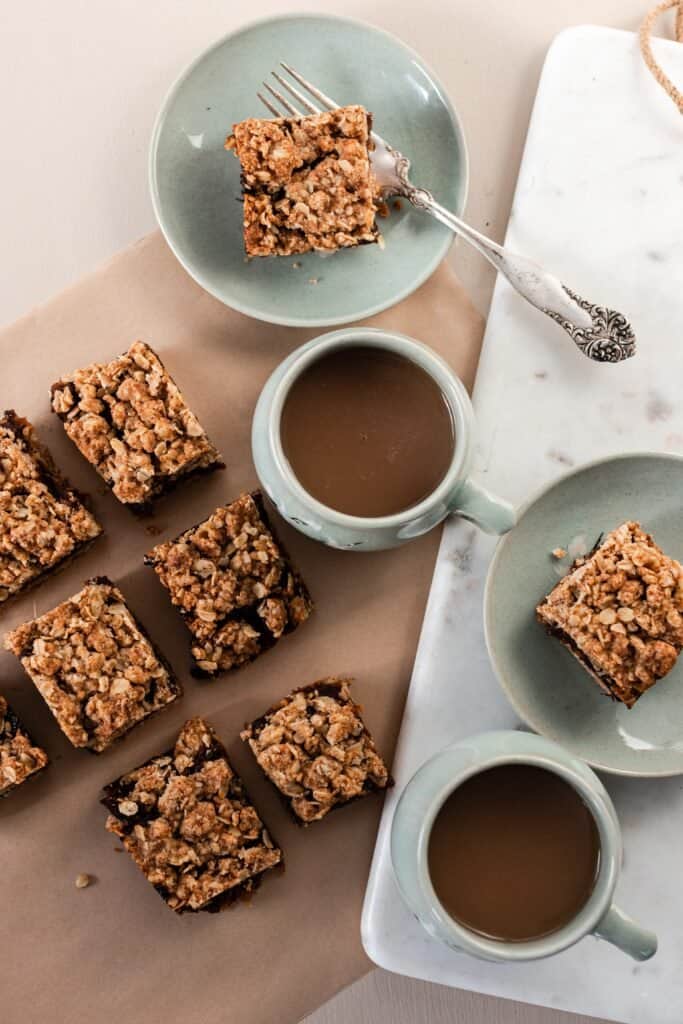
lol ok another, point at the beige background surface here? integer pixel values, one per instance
(79, 85)
(114, 950)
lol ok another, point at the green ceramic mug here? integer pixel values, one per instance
(423, 798)
(456, 494)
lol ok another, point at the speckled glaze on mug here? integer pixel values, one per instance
(456, 494)
(424, 796)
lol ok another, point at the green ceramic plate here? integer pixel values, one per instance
(196, 188)
(544, 683)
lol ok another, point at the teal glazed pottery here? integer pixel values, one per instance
(456, 493)
(544, 683)
(195, 182)
(420, 803)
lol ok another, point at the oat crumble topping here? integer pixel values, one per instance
(307, 182)
(19, 757)
(94, 666)
(233, 584)
(189, 825)
(130, 421)
(43, 522)
(619, 611)
(314, 747)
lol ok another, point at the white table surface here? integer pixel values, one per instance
(80, 83)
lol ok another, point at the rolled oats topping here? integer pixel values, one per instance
(131, 422)
(189, 825)
(307, 182)
(43, 522)
(19, 756)
(95, 667)
(232, 581)
(620, 612)
(315, 748)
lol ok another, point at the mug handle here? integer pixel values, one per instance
(489, 513)
(622, 931)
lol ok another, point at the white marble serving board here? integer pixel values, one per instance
(599, 201)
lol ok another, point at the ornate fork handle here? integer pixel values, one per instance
(601, 334)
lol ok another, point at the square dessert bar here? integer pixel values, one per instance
(233, 583)
(619, 612)
(314, 747)
(307, 182)
(20, 758)
(94, 665)
(188, 824)
(43, 522)
(130, 421)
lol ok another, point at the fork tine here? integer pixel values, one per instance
(266, 103)
(310, 107)
(325, 100)
(289, 107)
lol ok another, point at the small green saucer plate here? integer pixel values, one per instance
(544, 683)
(195, 182)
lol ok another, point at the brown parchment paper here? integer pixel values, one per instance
(113, 951)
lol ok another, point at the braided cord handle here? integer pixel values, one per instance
(646, 47)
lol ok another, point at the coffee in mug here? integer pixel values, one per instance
(367, 432)
(507, 847)
(514, 853)
(364, 440)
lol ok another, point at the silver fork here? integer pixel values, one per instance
(600, 333)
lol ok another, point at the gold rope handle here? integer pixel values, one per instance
(646, 47)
